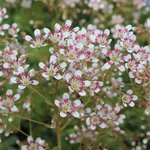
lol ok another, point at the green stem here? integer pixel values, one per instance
(59, 138)
(45, 99)
(35, 121)
(19, 130)
(65, 125)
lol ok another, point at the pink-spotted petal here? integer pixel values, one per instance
(82, 92)
(52, 60)
(21, 86)
(31, 73)
(63, 65)
(46, 30)
(93, 127)
(67, 77)
(138, 81)
(16, 97)
(30, 139)
(1, 99)
(34, 82)
(106, 32)
(57, 76)
(125, 104)
(6, 65)
(100, 83)
(9, 92)
(87, 83)
(131, 104)
(78, 73)
(131, 75)
(88, 121)
(77, 102)
(28, 38)
(21, 70)
(130, 92)
(42, 65)
(45, 75)
(82, 56)
(62, 51)
(14, 80)
(57, 28)
(97, 90)
(121, 68)
(5, 26)
(76, 114)
(65, 96)
(93, 38)
(127, 57)
(14, 109)
(57, 103)
(62, 114)
(135, 97)
(68, 24)
(106, 66)
(70, 89)
(37, 34)
(102, 125)
(128, 27)
(32, 46)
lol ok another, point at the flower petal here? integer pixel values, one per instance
(131, 104)
(28, 38)
(93, 127)
(52, 60)
(42, 65)
(37, 34)
(68, 77)
(62, 114)
(65, 96)
(106, 66)
(57, 103)
(45, 75)
(77, 102)
(87, 83)
(76, 114)
(34, 82)
(78, 73)
(9, 92)
(21, 86)
(21, 70)
(130, 92)
(16, 97)
(57, 76)
(14, 80)
(82, 92)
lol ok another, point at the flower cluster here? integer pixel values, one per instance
(96, 72)
(128, 98)
(25, 80)
(105, 116)
(82, 133)
(7, 104)
(11, 29)
(38, 144)
(66, 106)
